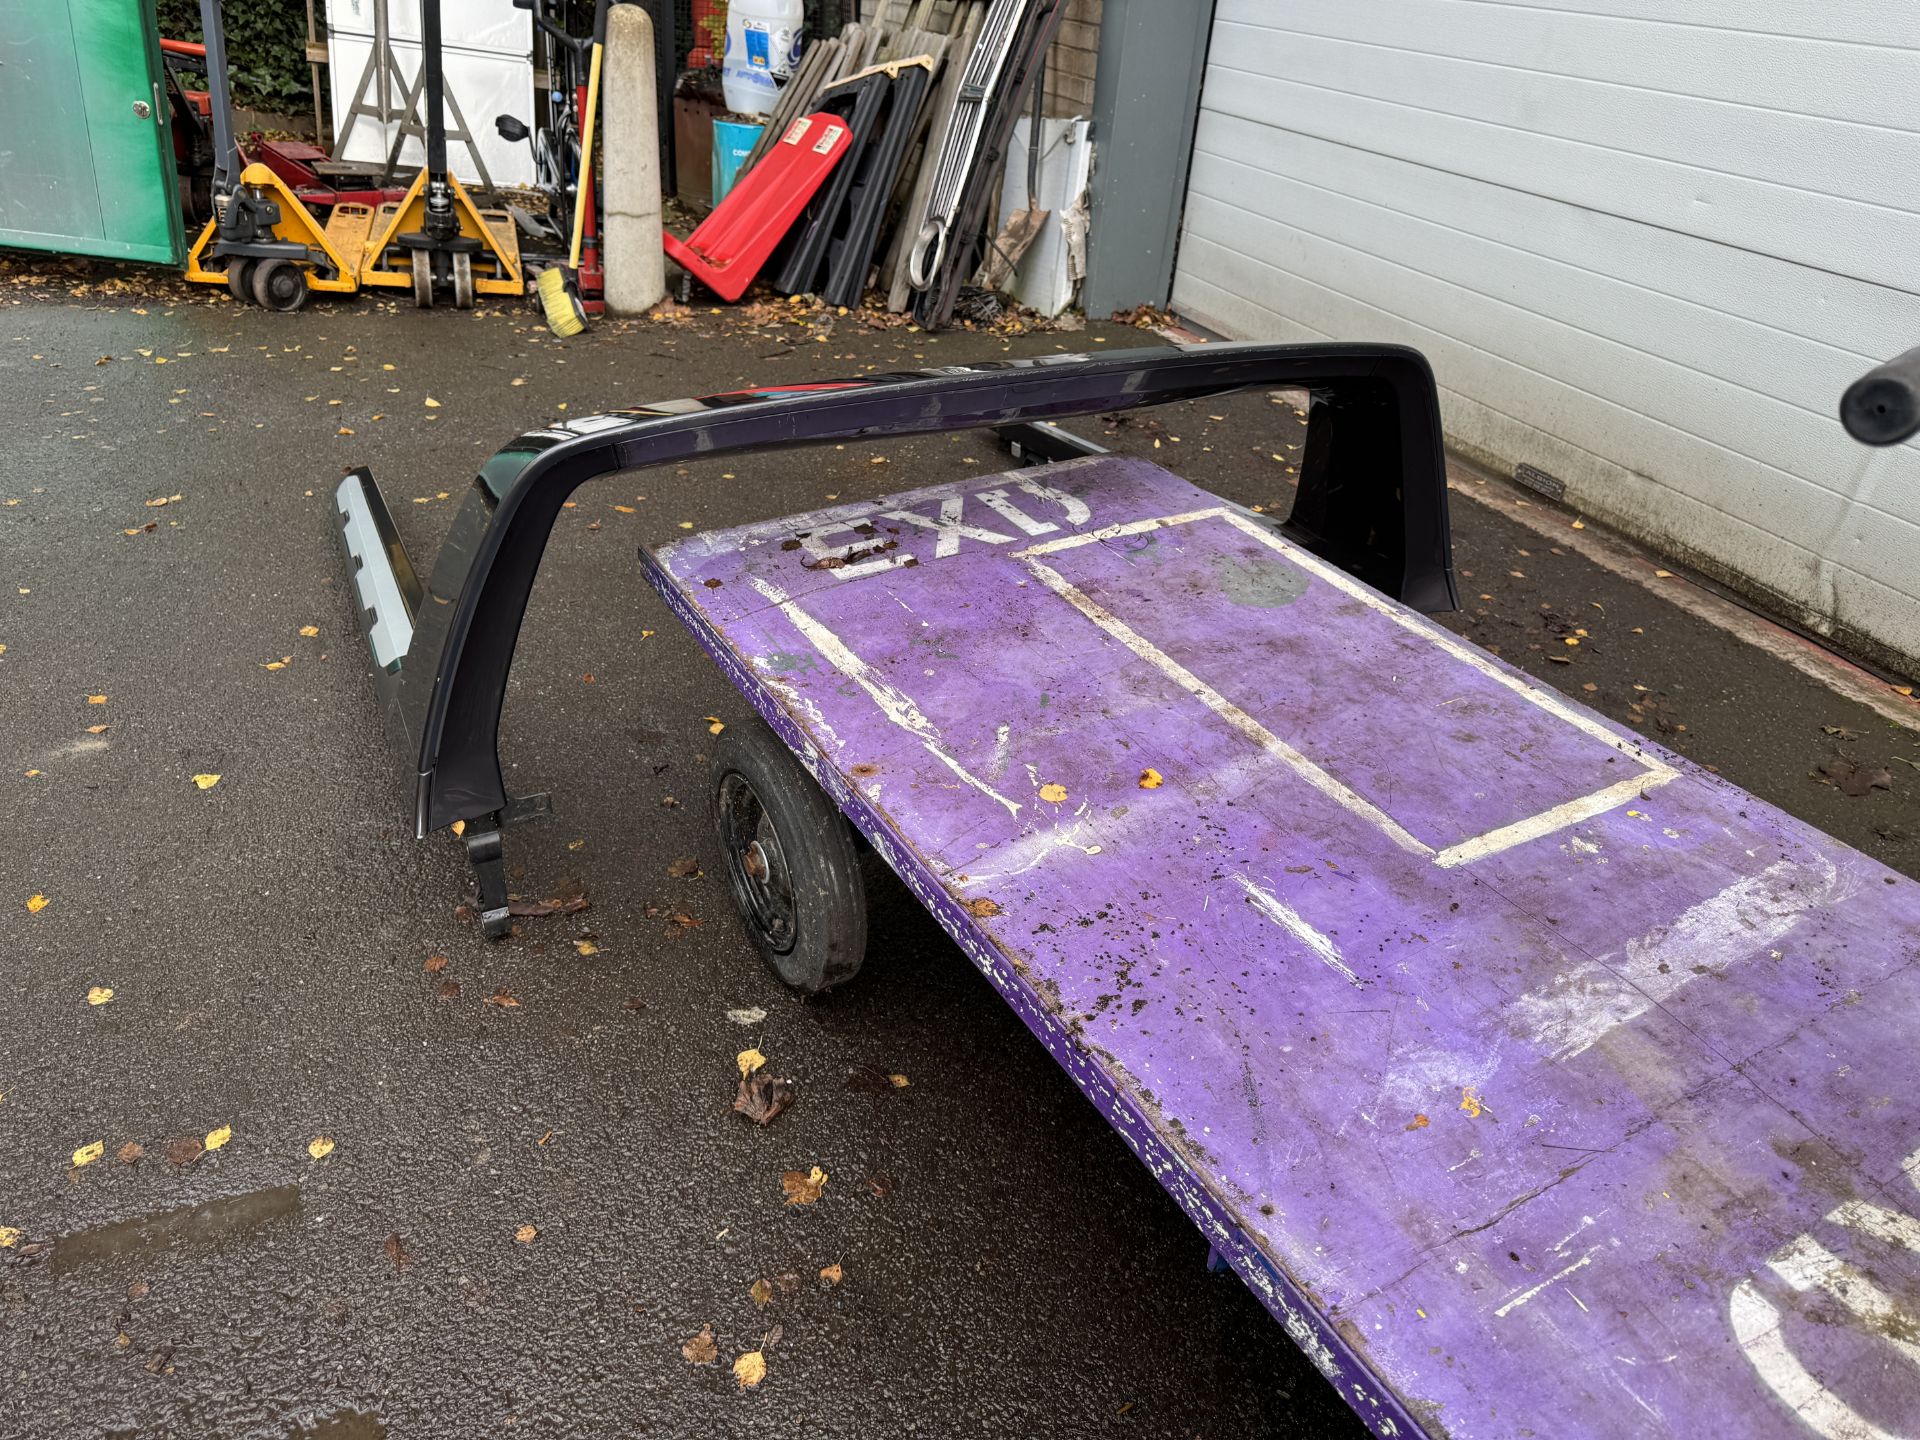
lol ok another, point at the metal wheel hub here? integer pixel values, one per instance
(757, 865)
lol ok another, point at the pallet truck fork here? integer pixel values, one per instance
(437, 237)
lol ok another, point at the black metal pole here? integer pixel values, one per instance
(436, 90)
(226, 151)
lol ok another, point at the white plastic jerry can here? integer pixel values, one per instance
(764, 38)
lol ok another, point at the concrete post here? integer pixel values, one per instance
(636, 267)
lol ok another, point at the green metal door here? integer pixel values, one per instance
(86, 156)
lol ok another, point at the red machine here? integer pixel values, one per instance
(732, 243)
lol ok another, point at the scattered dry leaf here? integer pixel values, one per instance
(98, 729)
(749, 1061)
(763, 1098)
(899, 1082)
(87, 1154)
(217, 1138)
(309, 631)
(320, 1146)
(206, 782)
(184, 1151)
(9, 1237)
(981, 909)
(701, 1350)
(99, 994)
(715, 724)
(435, 964)
(526, 1234)
(803, 1187)
(833, 1274)
(432, 404)
(503, 998)
(684, 868)
(397, 1252)
(750, 1369)
(36, 903)
(1053, 794)
(1419, 1122)
(586, 947)
(1151, 779)
(130, 1153)
(761, 1292)
(96, 699)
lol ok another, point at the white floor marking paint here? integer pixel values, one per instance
(1239, 719)
(1288, 919)
(894, 704)
(1653, 772)
(1578, 1008)
(1554, 1279)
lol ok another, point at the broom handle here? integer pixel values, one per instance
(586, 157)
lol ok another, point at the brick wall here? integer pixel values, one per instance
(1070, 63)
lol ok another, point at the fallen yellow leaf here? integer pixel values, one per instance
(749, 1061)
(750, 1369)
(36, 903)
(206, 782)
(586, 947)
(526, 1234)
(432, 404)
(624, 509)
(98, 729)
(803, 1189)
(1150, 779)
(900, 1082)
(1471, 1103)
(1053, 794)
(274, 665)
(320, 1147)
(700, 1350)
(1663, 574)
(216, 1138)
(96, 699)
(9, 1237)
(99, 994)
(715, 724)
(832, 1274)
(309, 631)
(87, 1154)
(761, 1293)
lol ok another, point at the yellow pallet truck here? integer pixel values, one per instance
(264, 245)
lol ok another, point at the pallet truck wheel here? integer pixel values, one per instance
(240, 279)
(279, 285)
(790, 859)
(422, 280)
(463, 281)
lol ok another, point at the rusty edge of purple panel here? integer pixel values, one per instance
(1378, 1407)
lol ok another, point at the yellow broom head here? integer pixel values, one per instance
(562, 307)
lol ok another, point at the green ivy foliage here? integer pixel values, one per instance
(266, 49)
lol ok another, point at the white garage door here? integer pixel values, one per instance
(1644, 254)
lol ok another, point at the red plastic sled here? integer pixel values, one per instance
(731, 244)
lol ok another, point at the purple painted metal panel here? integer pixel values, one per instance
(1538, 1081)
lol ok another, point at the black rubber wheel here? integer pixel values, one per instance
(791, 861)
(422, 265)
(279, 285)
(240, 278)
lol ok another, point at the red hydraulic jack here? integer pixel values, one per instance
(731, 244)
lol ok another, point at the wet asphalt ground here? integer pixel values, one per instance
(535, 1195)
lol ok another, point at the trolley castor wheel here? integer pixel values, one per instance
(790, 859)
(240, 278)
(462, 281)
(279, 285)
(422, 265)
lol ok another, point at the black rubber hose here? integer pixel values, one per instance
(1882, 407)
